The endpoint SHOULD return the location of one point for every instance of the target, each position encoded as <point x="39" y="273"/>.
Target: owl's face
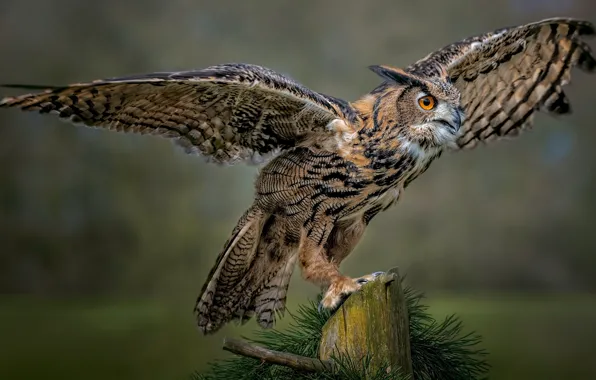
<point x="425" y="110"/>
<point x="430" y="111"/>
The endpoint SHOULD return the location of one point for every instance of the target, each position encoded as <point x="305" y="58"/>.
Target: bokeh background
<point x="106" y="239"/>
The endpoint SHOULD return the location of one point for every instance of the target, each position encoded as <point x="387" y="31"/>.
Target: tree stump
<point x="373" y="322"/>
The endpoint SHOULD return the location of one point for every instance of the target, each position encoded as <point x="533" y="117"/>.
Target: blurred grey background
<point x="106" y="239"/>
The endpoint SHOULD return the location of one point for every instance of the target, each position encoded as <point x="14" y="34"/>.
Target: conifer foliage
<point x="440" y="350"/>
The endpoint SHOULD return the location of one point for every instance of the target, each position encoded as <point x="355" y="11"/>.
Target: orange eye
<point x="427" y="102"/>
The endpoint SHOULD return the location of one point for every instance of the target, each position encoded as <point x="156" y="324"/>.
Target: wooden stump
<point x="373" y="322"/>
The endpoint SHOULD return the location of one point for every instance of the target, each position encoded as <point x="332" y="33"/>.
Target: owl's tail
<point x="251" y="274"/>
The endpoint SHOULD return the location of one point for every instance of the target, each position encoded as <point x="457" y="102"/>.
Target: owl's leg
<point x="316" y="265"/>
<point x="320" y="261"/>
<point x="343" y="239"/>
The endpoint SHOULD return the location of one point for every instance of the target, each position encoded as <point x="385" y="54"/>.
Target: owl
<point x="331" y="165"/>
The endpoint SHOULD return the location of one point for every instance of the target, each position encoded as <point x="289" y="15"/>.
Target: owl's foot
<point x="340" y="290"/>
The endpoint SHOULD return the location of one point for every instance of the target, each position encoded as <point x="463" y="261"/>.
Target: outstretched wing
<point x="229" y="112"/>
<point x="506" y="75"/>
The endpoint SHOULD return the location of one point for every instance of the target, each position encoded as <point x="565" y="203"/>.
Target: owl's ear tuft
<point x="394" y="75"/>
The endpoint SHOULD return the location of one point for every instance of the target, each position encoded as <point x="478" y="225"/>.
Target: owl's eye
<point x="427" y="102"/>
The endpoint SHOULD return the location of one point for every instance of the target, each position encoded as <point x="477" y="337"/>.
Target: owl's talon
<point x="341" y="290"/>
<point x="368" y="278"/>
<point x="320" y="308"/>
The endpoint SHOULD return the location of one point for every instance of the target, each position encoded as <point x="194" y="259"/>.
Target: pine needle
<point x="440" y="350"/>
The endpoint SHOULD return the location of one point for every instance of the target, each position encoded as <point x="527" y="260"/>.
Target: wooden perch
<point x="297" y="362"/>
<point x="372" y="322"/>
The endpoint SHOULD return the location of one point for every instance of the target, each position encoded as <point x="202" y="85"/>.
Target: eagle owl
<point x="333" y="165"/>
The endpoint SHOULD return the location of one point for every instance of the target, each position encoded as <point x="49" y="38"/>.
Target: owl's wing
<point x="229" y="112"/>
<point x="506" y="75"/>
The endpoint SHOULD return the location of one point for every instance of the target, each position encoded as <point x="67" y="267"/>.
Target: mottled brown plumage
<point x="338" y="164"/>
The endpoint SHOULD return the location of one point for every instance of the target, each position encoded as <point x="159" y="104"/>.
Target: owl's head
<point x="424" y="110"/>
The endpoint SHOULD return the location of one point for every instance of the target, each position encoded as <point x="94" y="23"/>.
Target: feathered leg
<point x="342" y="241"/>
<point x="318" y="268"/>
<point x="320" y="264"/>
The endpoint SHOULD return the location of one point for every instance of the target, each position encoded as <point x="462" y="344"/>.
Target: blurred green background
<point x="106" y="239"/>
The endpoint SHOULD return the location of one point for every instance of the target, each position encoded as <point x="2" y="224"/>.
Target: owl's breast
<point x="389" y="181"/>
<point x="304" y="181"/>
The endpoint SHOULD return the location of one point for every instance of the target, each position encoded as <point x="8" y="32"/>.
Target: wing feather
<point x="505" y="76"/>
<point x="229" y="112"/>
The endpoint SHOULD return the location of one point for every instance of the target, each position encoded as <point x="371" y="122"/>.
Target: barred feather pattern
<point x="251" y="275"/>
<point x="227" y="113"/>
<point x="504" y="77"/>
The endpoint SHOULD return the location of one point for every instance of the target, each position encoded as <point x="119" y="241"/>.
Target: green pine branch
<point x="440" y="350"/>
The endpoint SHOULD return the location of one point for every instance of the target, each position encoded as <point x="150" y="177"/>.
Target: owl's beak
<point x="460" y="116"/>
<point x="457" y="118"/>
<point x="449" y="116"/>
